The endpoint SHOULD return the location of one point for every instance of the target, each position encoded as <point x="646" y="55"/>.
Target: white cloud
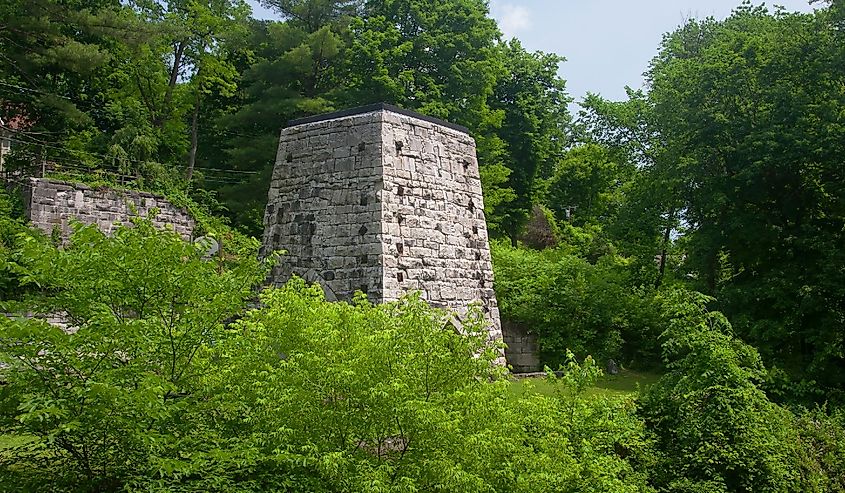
<point x="512" y="18"/>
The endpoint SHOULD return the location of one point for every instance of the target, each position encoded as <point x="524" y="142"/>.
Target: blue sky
<point x="607" y="43"/>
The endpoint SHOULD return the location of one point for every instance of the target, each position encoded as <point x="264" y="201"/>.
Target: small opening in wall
<point x="399" y="248"/>
<point x="471" y="206"/>
<point x="399" y="218"/>
<point x="475" y="230"/>
<point x="399" y="146"/>
<point x="477" y="255"/>
<point x="400" y="191"/>
<point x="362" y="231"/>
<point x="364" y="200"/>
<point x="289" y="158"/>
<point x="466" y="165"/>
<point x="364" y="288"/>
<point x="400" y="277"/>
<point x="481" y="283"/>
<point x="362" y="146"/>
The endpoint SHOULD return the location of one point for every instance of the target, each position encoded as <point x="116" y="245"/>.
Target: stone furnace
<point x="385" y="201"/>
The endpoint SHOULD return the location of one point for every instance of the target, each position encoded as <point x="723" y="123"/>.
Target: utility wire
<point x="112" y="158"/>
<point x="33" y="90"/>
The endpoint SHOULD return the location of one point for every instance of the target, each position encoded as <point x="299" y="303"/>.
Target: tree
<point x="716" y="429"/>
<point x="312" y="15"/>
<point x="532" y="100"/>
<point x="288" y="73"/>
<point x="646" y="200"/>
<point x="586" y="186"/>
<point x="112" y="392"/>
<point x="55" y="58"/>
<point x="748" y="107"/>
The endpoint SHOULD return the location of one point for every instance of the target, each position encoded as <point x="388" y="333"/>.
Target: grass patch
<point x="626" y="382"/>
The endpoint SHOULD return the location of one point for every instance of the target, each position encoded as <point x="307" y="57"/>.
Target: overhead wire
<point x="39" y="143"/>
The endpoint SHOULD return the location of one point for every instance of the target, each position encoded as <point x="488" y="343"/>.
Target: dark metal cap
<point x="376" y="107"/>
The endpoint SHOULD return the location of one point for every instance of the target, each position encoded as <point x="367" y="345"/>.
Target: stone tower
<point x="385" y="201"/>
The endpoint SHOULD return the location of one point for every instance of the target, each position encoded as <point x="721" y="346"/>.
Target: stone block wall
<point x="435" y="234"/>
<point x="53" y="204"/>
<point x="324" y="207"/>
<point x="522" y="352"/>
<point x="384" y="199"/>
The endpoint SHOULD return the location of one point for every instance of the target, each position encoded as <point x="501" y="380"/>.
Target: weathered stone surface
<point x="522" y="349"/>
<point x="384" y="202"/>
<point x="53" y="205"/>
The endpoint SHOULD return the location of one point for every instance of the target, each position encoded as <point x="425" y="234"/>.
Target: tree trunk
<point x="178" y="53"/>
<point x="664" y="250"/>
<point x="192" y="156"/>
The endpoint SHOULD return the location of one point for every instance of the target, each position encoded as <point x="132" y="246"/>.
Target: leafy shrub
<point x="115" y="388"/>
<point x="573" y="304"/>
<point x="359" y="397"/>
<point x="716" y="430"/>
<point x="152" y="392"/>
<point x="822" y="436"/>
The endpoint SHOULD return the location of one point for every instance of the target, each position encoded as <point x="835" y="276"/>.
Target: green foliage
<point x="572" y="303"/>
<point x="390" y="398"/>
<point x="738" y="188"/>
<point x="312" y="15"/>
<point x="716" y="430"/>
<point x="11" y="226"/>
<point x="752" y="108"/>
<point x="586" y="186"/>
<point x="822" y="433"/>
<point x="149" y="390"/>
<point x="114" y="390"/>
<point x="532" y="100"/>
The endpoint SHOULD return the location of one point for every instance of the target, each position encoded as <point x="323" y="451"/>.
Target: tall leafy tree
<point x="55" y="59"/>
<point x="189" y="41"/>
<point x="648" y="202"/>
<point x="311" y="15"/>
<point x="752" y="107"/>
<point x="532" y="99"/>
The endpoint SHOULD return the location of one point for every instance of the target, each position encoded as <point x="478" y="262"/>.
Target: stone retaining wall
<point x="522" y="351"/>
<point x="53" y="204"/>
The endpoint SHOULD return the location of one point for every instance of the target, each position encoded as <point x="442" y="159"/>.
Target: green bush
<point x="338" y="397"/>
<point x="716" y="430"/>
<point x="574" y="304"/>
<point x="97" y="400"/>
<point x="822" y="436"/>
<point x="11" y="226"/>
<point x="152" y="391"/>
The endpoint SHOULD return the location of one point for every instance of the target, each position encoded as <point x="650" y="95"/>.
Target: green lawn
<point x="626" y="382"/>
